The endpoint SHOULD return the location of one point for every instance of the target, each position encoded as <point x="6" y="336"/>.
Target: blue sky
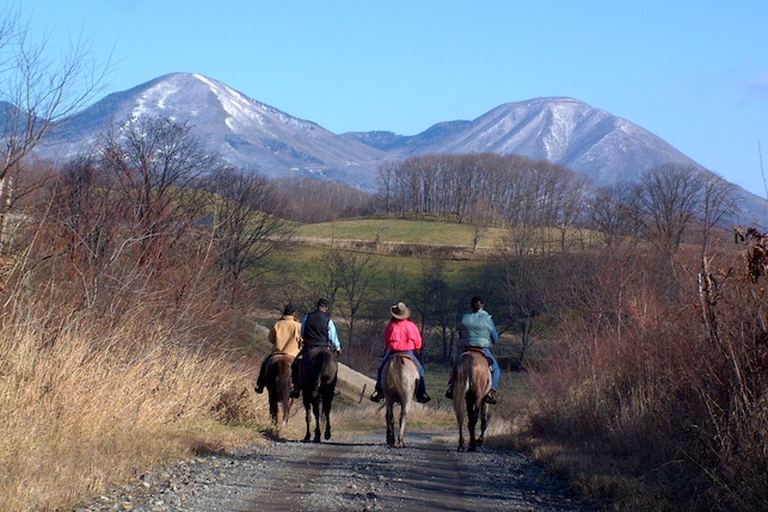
<point x="693" y="72"/>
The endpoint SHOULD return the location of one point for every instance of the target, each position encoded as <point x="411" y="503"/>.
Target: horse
<point x="318" y="383"/>
<point x="278" y="379"/>
<point x="399" y="382"/>
<point x="472" y="382"/>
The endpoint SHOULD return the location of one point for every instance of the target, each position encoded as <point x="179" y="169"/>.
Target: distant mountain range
<point x="251" y="134"/>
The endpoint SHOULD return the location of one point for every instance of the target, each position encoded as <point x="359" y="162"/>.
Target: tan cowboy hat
<point x="400" y="311"/>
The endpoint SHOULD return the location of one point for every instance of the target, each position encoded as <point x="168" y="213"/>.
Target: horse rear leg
<point x="327" y="401"/>
<point x="308" y="417"/>
<point x="472" y="414"/>
<point x="458" y="408"/>
<point x="273" y="410"/>
<point x="390" y="423"/>
<point x="483" y="423"/>
<point x="403" y="416"/>
<point x="316" y="412"/>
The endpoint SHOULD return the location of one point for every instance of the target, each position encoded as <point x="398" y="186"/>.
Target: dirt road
<point x="353" y="473"/>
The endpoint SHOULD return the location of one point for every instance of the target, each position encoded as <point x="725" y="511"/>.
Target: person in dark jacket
<point x="478" y="330"/>
<point x="317" y="330"/>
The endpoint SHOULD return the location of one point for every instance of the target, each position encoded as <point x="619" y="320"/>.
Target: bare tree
<point x="38" y="89"/>
<point x="718" y="203"/>
<point x="248" y="223"/>
<point x="356" y="278"/>
<point x="669" y="199"/>
<point x="386" y="185"/>
<point x="156" y="164"/>
<point x="523" y="295"/>
<point x="614" y="214"/>
<point x="346" y="279"/>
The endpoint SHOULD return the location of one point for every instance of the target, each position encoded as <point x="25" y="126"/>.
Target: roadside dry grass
<point x="84" y="406"/>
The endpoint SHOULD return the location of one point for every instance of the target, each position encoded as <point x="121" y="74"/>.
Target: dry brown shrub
<point x="668" y="416"/>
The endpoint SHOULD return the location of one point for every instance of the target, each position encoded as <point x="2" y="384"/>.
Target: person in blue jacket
<point x="478" y="330"/>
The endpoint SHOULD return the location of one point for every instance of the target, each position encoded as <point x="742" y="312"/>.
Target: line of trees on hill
<point x="515" y="192"/>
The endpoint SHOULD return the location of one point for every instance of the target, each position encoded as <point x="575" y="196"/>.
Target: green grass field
<point x="439" y="233"/>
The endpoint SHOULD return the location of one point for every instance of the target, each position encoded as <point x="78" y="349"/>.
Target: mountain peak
<point x="249" y="133"/>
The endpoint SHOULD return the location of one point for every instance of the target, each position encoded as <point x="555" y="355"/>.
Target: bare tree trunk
<point x="6" y="198"/>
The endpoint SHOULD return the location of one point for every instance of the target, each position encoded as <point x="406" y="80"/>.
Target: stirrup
<point x="490" y="398"/>
<point x="295" y="393"/>
<point x="449" y="393"/>
<point x="376" y="397"/>
<point x="423" y="398"/>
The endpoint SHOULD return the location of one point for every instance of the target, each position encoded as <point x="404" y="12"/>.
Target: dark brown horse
<point x="318" y="383"/>
<point x="279" y="388"/>
<point x="472" y="381"/>
<point x="399" y="380"/>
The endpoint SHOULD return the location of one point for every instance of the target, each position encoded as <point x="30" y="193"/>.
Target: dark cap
<point x="323" y="303"/>
<point x="289" y="309"/>
<point x="476" y="302"/>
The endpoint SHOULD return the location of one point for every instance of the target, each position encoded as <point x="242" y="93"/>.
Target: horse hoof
<point x="327" y="436"/>
<point x="460" y="449"/>
<point x="472" y="449"/>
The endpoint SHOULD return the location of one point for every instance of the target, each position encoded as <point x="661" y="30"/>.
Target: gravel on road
<point x="356" y="472"/>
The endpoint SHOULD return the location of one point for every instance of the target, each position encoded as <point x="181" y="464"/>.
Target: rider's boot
<point x="421" y="392"/>
<point x="449" y="391"/>
<point x="376" y="396"/>
<point x="490" y="398"/>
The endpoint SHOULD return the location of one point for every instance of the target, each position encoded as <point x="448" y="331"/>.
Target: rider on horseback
<point x="402" y="336"/>
<point x="317" y="330"/>
<point x="285" y="337"/>
<point x="478" y="330"/>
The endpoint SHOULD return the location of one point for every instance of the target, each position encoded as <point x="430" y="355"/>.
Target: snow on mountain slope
<point x="563" y="130"/>
<point x="245" y="132"/>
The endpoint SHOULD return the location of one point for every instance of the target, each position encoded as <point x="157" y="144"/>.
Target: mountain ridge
<point x="254" y="135"/>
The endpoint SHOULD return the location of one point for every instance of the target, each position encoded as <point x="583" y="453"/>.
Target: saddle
<point x="276" y="355"/>
<point x="401" y="354"/>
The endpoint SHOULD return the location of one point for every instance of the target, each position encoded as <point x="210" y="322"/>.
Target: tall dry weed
<point x="87" y="405"/>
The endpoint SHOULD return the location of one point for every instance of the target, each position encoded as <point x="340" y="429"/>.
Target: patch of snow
<point x="241" y="110"/>
<point x="154" y="96"/>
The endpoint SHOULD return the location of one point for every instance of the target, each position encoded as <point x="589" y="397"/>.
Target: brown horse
<point x="279" y="388"/>
<point x="399" y="379"/>
<point x="318" y="383"/>
<point x="472" y="381"/>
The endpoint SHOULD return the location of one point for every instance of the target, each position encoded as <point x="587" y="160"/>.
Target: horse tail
<point x="462" y="385"/>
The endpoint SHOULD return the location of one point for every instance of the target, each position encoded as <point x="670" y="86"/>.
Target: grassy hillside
<point x="439" y="233"/>
<point x="401" y="230"/>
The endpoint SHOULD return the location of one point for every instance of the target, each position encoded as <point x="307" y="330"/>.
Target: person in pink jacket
<point x="402" y="336"/>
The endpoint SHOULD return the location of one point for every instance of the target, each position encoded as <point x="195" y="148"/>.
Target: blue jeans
<point x="495" y="369"/>
<point x="386" y="357"/>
